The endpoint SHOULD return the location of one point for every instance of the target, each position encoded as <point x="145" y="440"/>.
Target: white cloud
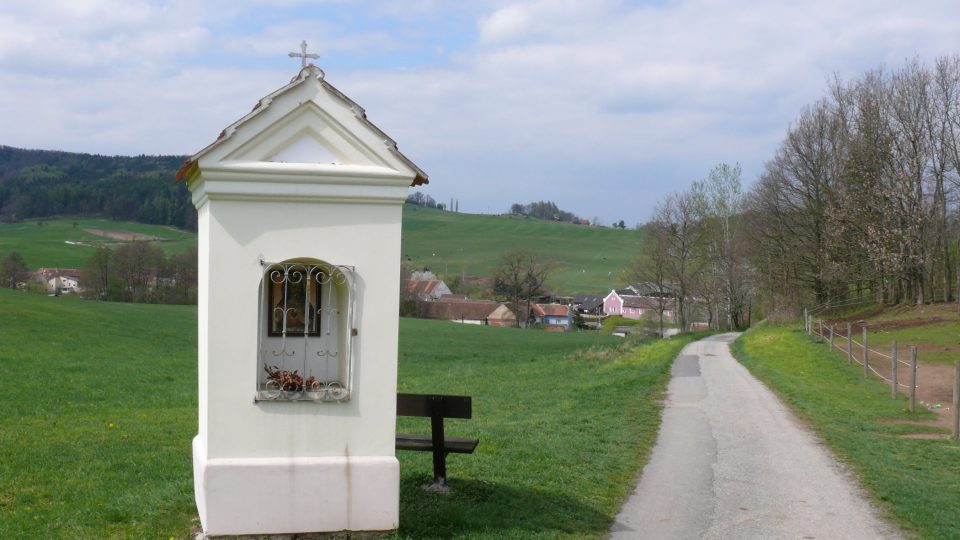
<point x="602" y="106"/>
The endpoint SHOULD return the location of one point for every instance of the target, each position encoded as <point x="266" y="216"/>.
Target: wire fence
<point x="841" y="304"/>
<point x="859" y="352"/>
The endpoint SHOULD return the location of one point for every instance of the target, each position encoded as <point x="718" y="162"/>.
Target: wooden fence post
<point x="830" y="343"/>
<point x="849" y="343"/>
<point x="956" y="400"/>
<point x="821" y="329"/>
<point x="806" y="321"/>
<point x="913" y="378"/>
<point x="893" y="370"/>
<point x="866" y="355"/>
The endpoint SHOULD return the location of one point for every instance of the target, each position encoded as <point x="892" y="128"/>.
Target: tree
<point x="137" y="265"/>
<point x="678" y="221"/>
<point x="13" y="269"/>
<point x="409" y="303"/>
<point x="521" y="275"/>
<point x="724" y="200"/>
<point x="180" y="278"/>
<point x="651" y="267"/>
<point x="546" y="210"/>
<point x="97" y="273"/>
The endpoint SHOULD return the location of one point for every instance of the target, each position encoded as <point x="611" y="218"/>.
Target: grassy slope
<point x="589" y="259"/>
<point x="46" y="245"/>
<point x="917" y="481"/>
<point x="472" y="244"/>
<point x="99" y="409"/>
<point x="933" y="328"/>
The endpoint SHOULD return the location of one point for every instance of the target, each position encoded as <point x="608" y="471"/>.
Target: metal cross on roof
<point x="302" y="55"/>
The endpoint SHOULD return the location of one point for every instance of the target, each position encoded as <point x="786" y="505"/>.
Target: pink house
<point x="634" y="307"/>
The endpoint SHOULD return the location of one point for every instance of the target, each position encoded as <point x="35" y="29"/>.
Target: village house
<point x="59" y="280"/>
<point x="632" y="306"/>
<point x="424" y="285"/>
<point x="588" y="304"/>
<point x="427" y="289"/>
<point x="555" y="317"/>
<point x="481" y="312"/>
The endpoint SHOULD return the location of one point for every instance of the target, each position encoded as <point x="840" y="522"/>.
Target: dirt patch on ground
<point x="123" y="236"/>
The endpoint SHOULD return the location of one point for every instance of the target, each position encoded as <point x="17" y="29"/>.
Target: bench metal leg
<point x="439" y="455"/>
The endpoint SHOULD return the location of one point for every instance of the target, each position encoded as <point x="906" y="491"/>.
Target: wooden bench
<point x="436" y="407"/>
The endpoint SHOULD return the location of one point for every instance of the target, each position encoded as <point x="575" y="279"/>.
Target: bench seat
<point x="424" y="443"/>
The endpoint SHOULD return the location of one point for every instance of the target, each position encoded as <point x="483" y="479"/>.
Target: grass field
<point x="588" y="259"/>
<point x="100" y="407"/>
<point x="916" y="480"/>
<point x="46" y="245"/>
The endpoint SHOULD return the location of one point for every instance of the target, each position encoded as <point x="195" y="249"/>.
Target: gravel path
<point x="732" y="461"/>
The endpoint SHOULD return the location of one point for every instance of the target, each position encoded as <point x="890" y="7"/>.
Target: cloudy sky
<point x="601" y="106"/>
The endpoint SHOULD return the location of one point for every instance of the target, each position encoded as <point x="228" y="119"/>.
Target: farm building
<point x="484" y="312"/>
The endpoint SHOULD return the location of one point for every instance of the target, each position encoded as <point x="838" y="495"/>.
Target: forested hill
<point x="44" y="183"/>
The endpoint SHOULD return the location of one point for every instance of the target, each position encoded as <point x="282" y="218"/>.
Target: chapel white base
<point x="242" y="496"/>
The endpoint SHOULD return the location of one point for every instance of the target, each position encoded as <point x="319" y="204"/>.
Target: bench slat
<point x="424" y="443"/>
<point x="419" y="405"/>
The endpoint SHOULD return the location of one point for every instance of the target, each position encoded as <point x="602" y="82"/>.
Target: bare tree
<point x="728" y="272"/>
<point x="651" y="267"/>
<point x="137" y="266"/>
<point x="521" y="275"/>
<point x="97" y="273"/>
<point x="678" y="220"/>
<point x="862" y="193"/>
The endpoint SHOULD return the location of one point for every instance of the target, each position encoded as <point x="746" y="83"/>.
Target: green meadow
<point x="911" y="470"/>
<point x="587" y="259"/>
<point x="44" y="243"/>
<point x="100" y="406"/>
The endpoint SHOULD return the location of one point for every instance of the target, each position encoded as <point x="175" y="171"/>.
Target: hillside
<point x="43" y="183"/>
<point x="68" y="243"/>
<point x="588" y="259"/>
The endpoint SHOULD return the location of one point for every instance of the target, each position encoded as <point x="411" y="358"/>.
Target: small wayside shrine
<point x="299" y="213"/>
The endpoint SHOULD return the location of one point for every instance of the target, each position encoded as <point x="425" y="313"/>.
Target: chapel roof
<point x="308" y="72"/>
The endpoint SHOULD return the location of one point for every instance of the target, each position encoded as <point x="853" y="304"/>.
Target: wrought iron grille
<point x="305" y="330"/>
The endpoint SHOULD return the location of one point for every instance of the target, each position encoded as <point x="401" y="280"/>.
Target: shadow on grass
<point x="478" y="508"/>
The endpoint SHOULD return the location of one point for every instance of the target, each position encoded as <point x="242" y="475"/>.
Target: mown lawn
<point x="100" y="405"/>
<point x="562" y="436"/>
<point x="916" y="481"/>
